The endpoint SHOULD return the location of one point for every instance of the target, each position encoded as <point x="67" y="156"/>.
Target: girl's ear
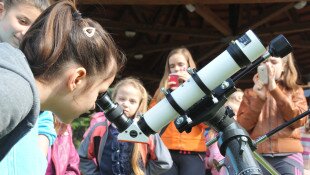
<point x="76" y="78"/>
<point x="2" y="10"/>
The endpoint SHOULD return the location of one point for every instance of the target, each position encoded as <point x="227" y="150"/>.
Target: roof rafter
<point x="179" y="2"/>
<point x="108" y="24"/>
<point x="209" y="16"/>
<point x="165" y="47"/>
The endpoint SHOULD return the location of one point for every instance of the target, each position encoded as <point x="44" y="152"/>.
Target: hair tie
<point x="89" y="31"/>
<point x="77" y="15"/>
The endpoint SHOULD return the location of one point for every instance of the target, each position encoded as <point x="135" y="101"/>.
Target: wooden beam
<point x="284" y="29"/>
<point x="108" y="24"/>
<point x="179" y="2"/>
<point x="267" y="16"/>
<point x="301" y="44"/>
<point x="165" y="47"/>
<point x="167" y="22"/>
<point x="142" y="75"/>
<point x="210" y="17"/>
<point x="210" y="53"/>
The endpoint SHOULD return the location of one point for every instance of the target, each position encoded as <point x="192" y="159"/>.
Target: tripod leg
<point x="265" y="164"/>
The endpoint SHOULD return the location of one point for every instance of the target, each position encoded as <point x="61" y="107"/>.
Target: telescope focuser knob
<point x="191" y="71"/>
<point x="229" y="112"/>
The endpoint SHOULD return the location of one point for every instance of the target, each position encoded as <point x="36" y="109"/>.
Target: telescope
<point x="201" y="99"/>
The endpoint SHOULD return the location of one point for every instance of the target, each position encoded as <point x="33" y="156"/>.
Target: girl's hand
<point x="307" y="126"/>
<point x="171" y="85"/>
<point x="183" y="75"/>
<point x="271" y="77"/>
<point x="259" y="88"/>
<point x="209" y="163"/>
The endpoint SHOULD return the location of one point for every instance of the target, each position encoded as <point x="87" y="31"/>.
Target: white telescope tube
<point x="189" y="93"/>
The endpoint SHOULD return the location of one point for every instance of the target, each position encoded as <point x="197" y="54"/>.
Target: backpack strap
<point x="99" y="146"/>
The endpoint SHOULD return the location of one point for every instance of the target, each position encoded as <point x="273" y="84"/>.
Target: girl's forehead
<point x="129" y="88"/>
<point x="274" y="59"/>
<point x="177" y="57"/>
<point x="25" y="10"/>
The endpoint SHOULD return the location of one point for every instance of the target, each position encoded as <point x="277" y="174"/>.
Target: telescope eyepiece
<point x="113" y="112"/>
<point x="104" y="103"/>
<point x="279" y="47"/>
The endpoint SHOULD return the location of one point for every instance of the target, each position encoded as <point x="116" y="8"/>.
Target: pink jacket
<point x="63" y="157"/>
<point x="213" y="153"/>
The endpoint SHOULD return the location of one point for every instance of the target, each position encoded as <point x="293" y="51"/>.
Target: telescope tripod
<point x="243" y="138"/>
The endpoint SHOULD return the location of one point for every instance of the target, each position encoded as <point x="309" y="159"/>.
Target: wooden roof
<point x="146" y="30"/>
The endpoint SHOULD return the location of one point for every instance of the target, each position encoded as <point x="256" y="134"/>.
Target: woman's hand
<point x="259" y="88"/>
<point x="271" y="77"/>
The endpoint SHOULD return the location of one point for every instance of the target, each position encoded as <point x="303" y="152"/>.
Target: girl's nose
<point x="24" y="30"/>
<point x="177" y="69"/>
<point x="124" y="104"/>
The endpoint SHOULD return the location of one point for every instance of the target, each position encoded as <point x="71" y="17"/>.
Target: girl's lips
<point x="16" y="41"/>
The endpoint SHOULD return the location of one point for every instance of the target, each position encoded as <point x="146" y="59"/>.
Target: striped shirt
<point x="305" y="141"/>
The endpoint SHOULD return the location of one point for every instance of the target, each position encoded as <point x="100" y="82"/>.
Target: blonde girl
<point x="187" y="149"/>
<point x="266" y="106"/>
<point x="124" y="157"/>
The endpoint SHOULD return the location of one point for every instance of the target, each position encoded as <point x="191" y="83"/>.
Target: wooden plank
<point x="179" y="2"/>
<point x="284" y="29"/>
<point x="142" y="75"/>
<point x="108" y="24"/>
<point x="207" y="55"/>
<point x="209" y="16"/>
<point x="267" y="16"/>
<point x="166" y="47"/>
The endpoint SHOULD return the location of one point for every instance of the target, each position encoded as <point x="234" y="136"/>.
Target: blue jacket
<point x="19" y="99"/>
<point x="25" y="157"/>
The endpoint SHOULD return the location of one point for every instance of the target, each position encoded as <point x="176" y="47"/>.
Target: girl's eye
<point x="121" y="99"/>
<point x="24" y="21"/>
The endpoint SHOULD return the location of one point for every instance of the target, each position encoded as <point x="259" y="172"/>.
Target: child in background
<point x="125" y="158"/>
<point x="187" y="149"/>
<point x="233" y="101"/>
<point x="62" y="156"/>
<point x="273" y="100"/>
<point x="305" y="141"/>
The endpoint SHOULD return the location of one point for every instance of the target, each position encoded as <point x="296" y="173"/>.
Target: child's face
<point x="15" y="22"/>
<point x="177" y="63"/>
<point x="71" y="103"/>
<point x="277" y="64"/>
<point x="129" y="98"/>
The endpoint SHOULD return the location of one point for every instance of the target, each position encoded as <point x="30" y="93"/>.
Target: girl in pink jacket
<point x="213" y="152"/>
<point x="62" y="156"/>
